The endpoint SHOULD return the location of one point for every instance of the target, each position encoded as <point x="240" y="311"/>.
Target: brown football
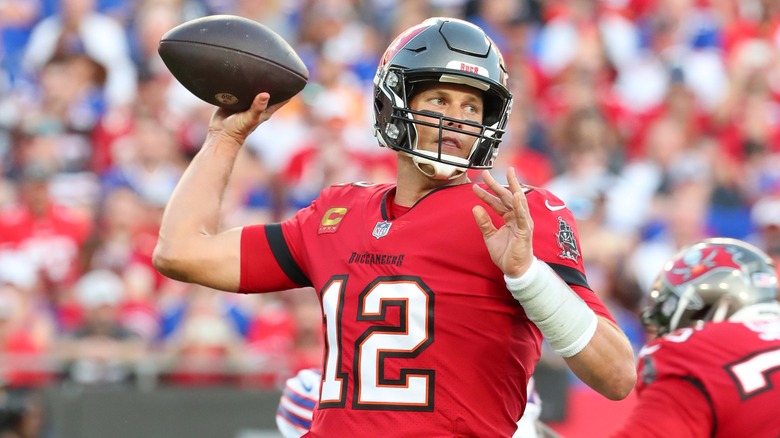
<point x="226" y="60"/>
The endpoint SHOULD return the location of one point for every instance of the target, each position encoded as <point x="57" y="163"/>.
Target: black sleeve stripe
<point x="570" y="275"/>
<point x="273" y="232"/>
<point x="700" y="386"/>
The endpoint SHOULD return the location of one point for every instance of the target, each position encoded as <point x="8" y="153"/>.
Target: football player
<point x="713" y="369"/>
<point x="436" y="292"/>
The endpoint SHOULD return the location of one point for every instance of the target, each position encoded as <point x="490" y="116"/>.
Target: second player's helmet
<point x="710" y="280"/>
<point x="441" y="50"/>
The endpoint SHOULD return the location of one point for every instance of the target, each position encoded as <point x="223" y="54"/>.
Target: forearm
<point x="596" y="350"/>
<point x="193" y="211"/>
<point x="195" y="203"/>
<point x="191" y="247"/>
<point x="606" y="364"/>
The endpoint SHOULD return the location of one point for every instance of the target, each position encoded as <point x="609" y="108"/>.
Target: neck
<point x="412" y="184"/>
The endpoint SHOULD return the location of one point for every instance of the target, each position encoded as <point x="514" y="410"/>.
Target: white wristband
<point x="564" y="319"/>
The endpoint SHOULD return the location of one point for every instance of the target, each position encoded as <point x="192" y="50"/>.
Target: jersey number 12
<point x="413" y="389"/>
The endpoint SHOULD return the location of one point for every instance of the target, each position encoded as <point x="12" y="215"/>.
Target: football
<point x="227" y="60"/>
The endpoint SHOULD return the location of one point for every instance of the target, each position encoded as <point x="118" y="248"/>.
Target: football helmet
<point x="441" y="50"/>
<point x="709" y="280"/>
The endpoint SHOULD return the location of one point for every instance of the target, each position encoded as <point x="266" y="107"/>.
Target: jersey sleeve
<point x="556" y="239"/>
<point x="267" y="261"/>
<point x="557" y="243"/>
<point x="669" y="407"/>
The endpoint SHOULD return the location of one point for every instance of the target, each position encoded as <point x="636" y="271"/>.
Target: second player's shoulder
<point x="687" y="343"/>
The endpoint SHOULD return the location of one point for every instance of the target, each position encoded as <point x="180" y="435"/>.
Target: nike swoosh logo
<point x="307" y="387"/>
<point x="553" y="207"/>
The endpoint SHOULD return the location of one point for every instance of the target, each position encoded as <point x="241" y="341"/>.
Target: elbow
<point x="623" y="382"/>
<point x="166" y="262"/>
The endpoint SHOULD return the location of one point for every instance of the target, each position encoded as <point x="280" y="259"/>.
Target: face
<point x="455" y="101"/>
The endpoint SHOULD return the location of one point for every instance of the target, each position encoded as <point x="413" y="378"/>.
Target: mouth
<point x="450" y="143"/>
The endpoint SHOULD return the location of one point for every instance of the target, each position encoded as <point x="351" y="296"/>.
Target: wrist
<point x="525" y="279"/>
<point x="561" y="315"/>
<point x="225" y="139"/>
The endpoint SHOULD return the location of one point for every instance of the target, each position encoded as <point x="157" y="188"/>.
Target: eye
<point x="438" y="101"/>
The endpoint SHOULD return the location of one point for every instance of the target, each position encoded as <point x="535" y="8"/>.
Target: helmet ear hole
<point x="702" y="314"/>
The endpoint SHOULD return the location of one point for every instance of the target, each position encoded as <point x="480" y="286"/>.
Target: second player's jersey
<point x="736" y="365"/>
<point x="422" y="336"/>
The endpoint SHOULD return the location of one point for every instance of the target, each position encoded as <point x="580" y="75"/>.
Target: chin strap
<point x="436" y="170"/>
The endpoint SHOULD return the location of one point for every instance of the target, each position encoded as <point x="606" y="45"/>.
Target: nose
<point x="454" y="115"/>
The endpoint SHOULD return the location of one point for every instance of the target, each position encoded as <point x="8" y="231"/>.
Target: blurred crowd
<point x="656" y="121"/>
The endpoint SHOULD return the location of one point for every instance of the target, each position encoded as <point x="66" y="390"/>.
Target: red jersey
<point x="422" y="337"/>
<point x="53" y="241"/>
<point x="721" y="380"/>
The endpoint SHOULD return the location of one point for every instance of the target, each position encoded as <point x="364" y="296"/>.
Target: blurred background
<point x="656" y="121"/>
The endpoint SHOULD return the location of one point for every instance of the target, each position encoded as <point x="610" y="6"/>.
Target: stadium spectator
<point x="204" y="347"/>
<point x="147" y="160"/>
<point x="533" y="167"/>
<point x="681" y="218"/>
<point x="138" y="311"/>
<point x="101" y="351"/>
<point x="78" y="29"/>
<point x="17" y="18"/>
<point x="765" y="214"/>
<point x="586" y="146"/>
<point x="28" y="330"/>
<point x="118" y="222"/>
<point x="49" y="235"/>
<point x="711" y="369"/>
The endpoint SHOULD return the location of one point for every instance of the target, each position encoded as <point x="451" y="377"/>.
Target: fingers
<point x="522" y="216"/>
<point x="514" y="184"/>
<point x="259" y="104"/>
<point x="260" y="109"/>
<point x="483" y="221"/>
<point x="506" y="200"/>
<point x="503" y="194"/>
<point x="489" y="199"/>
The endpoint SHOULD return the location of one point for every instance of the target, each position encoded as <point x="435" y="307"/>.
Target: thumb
<point x="259" y="105"/>
<point x="246" y="122"/>
<point x="483" y="221"/>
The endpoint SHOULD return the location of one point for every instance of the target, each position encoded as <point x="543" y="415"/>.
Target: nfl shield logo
<point x="381" y="229"/>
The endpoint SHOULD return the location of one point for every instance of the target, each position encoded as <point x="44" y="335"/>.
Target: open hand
<point x="511" y="245"/>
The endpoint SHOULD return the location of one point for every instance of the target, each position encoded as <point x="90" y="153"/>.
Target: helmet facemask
<point x="396" y="123"/>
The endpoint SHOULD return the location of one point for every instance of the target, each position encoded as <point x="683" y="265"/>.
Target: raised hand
<point x="511" y="245"/>
<point x="239" y="125"/>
